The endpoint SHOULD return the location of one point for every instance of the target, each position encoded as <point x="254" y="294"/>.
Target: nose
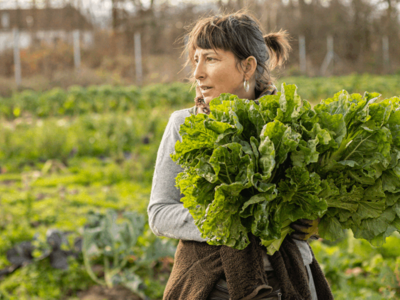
<point x="199" y="72"/>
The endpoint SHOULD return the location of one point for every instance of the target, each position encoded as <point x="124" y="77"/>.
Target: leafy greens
<point x="256" y="166"/>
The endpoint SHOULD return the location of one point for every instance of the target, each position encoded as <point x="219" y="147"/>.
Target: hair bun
<point x="278" y="44"/>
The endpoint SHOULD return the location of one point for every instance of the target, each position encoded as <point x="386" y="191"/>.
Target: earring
<point x="246" y="85"/>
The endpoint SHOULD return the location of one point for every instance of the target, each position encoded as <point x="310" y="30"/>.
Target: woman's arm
<point x="167" y="216"/>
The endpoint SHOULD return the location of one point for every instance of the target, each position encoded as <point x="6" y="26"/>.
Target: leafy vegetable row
<point x="82" y="100"/>
<point x="95" y="99"/>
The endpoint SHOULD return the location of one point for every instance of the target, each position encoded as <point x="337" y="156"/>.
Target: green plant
<point x="115" y="243"/>
<point x="94" y="99"/>
<point x="40" y="281"/>
<point x="257" y="167"/>
<point x="357" y="270"/>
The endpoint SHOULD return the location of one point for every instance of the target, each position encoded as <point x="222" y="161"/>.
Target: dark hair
<point x="241" y="34"/>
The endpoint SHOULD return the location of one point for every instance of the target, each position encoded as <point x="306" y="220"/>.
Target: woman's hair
<point x="241" y="34"/>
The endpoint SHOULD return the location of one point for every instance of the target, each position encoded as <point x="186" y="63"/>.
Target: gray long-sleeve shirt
<point x="167" y="216"/>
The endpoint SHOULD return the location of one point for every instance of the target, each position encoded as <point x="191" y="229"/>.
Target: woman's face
<point x="216" y="73"/>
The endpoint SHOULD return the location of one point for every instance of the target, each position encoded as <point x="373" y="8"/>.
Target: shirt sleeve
<point x="167" y="216"/>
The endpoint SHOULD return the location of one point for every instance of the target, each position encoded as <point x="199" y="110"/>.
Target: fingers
<point x="298" y="227"/>
<point x="305" y="222"/>
<point x="314" y="237"/>
<point x="299" y="236"/>
<point x="305" y="229"/>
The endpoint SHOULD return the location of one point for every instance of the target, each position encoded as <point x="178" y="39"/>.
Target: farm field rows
<point x="74" y="160"/>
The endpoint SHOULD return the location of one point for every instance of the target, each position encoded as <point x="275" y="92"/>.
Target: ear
<point x="249" y="66"/>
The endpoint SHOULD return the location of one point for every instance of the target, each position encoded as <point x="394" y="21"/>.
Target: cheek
<point x="227" y="80"/>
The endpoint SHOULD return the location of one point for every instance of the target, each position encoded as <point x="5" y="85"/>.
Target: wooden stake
<point x="17" y="58"/>
<point x="138" y="59"/>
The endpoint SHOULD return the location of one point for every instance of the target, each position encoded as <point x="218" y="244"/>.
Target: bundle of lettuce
<point x="256" y="166"/>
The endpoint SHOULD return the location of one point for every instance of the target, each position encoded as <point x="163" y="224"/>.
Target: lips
<point x="205" y="88"/>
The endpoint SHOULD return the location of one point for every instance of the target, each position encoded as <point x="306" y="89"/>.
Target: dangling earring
<point x="246" y="85"/>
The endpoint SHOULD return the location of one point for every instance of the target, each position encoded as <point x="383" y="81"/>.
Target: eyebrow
<point x="206" y="53"/>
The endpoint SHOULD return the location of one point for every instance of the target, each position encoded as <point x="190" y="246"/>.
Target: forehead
<point x="201" y="52"/>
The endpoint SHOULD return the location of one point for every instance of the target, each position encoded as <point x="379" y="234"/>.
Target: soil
<point x="103" y="293"/>
<point x="7" y="182"/>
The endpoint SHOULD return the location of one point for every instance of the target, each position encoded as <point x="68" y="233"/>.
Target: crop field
<point x="75" y="176"/>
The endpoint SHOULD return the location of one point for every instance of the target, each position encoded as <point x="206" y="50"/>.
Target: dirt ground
<point x="103" y="293"/>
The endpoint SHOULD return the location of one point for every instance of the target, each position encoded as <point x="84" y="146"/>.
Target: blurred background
<point x="140" y="41"/>
<point x="86" y="90"/>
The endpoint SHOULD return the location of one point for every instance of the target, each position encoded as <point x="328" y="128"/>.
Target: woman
<point x="229" y="54"/>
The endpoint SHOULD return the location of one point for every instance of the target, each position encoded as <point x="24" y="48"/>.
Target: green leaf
<point x="330" y="228"/>
<point x="221" y="224"/>
<point x="266" y="222"/>
<point x="334" y="124"/>
<point x="248" y="206"/>
<point x="196" y="138"/>
<point x="230" y="163"/>
<point x="367" y="149"/>
<point x="267" y="157"/>
<point x="318" y="136"/>
<point x="283" y="137"/>
<point x="205" y="169"/>
<point x="257" y="118"/>
<point x="394" y="126"/>
<point x="305" y="153"/>
<point x="300" y="194"/>
<point x="290" y="104"/>
<point x="198" y="193"/>
<point x="274" y="245"/>
<point x="391" y="181"/>
<point x="372" y="227"/>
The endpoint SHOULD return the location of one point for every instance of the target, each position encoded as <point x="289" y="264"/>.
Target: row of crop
<point x="95" y="99"/>
<point x="117" y="135"/>
<point x="99" y="99"/>
<point x="317" y="88"/>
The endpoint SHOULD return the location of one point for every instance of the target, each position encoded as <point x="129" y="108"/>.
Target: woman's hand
<point x="305" y="229"/>
<point x="201" y="106"/>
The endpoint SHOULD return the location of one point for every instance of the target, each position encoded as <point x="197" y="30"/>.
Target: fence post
<point x="77" y="50"/>
<point x="330" y="55"/>
<point x="302" y="54"/>
<point x="17" y="58"/>
<point x="385" y="50"/>
<point x="138" y="58"/>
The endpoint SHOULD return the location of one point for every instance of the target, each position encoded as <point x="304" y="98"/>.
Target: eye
<point x="210" y="58"/>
